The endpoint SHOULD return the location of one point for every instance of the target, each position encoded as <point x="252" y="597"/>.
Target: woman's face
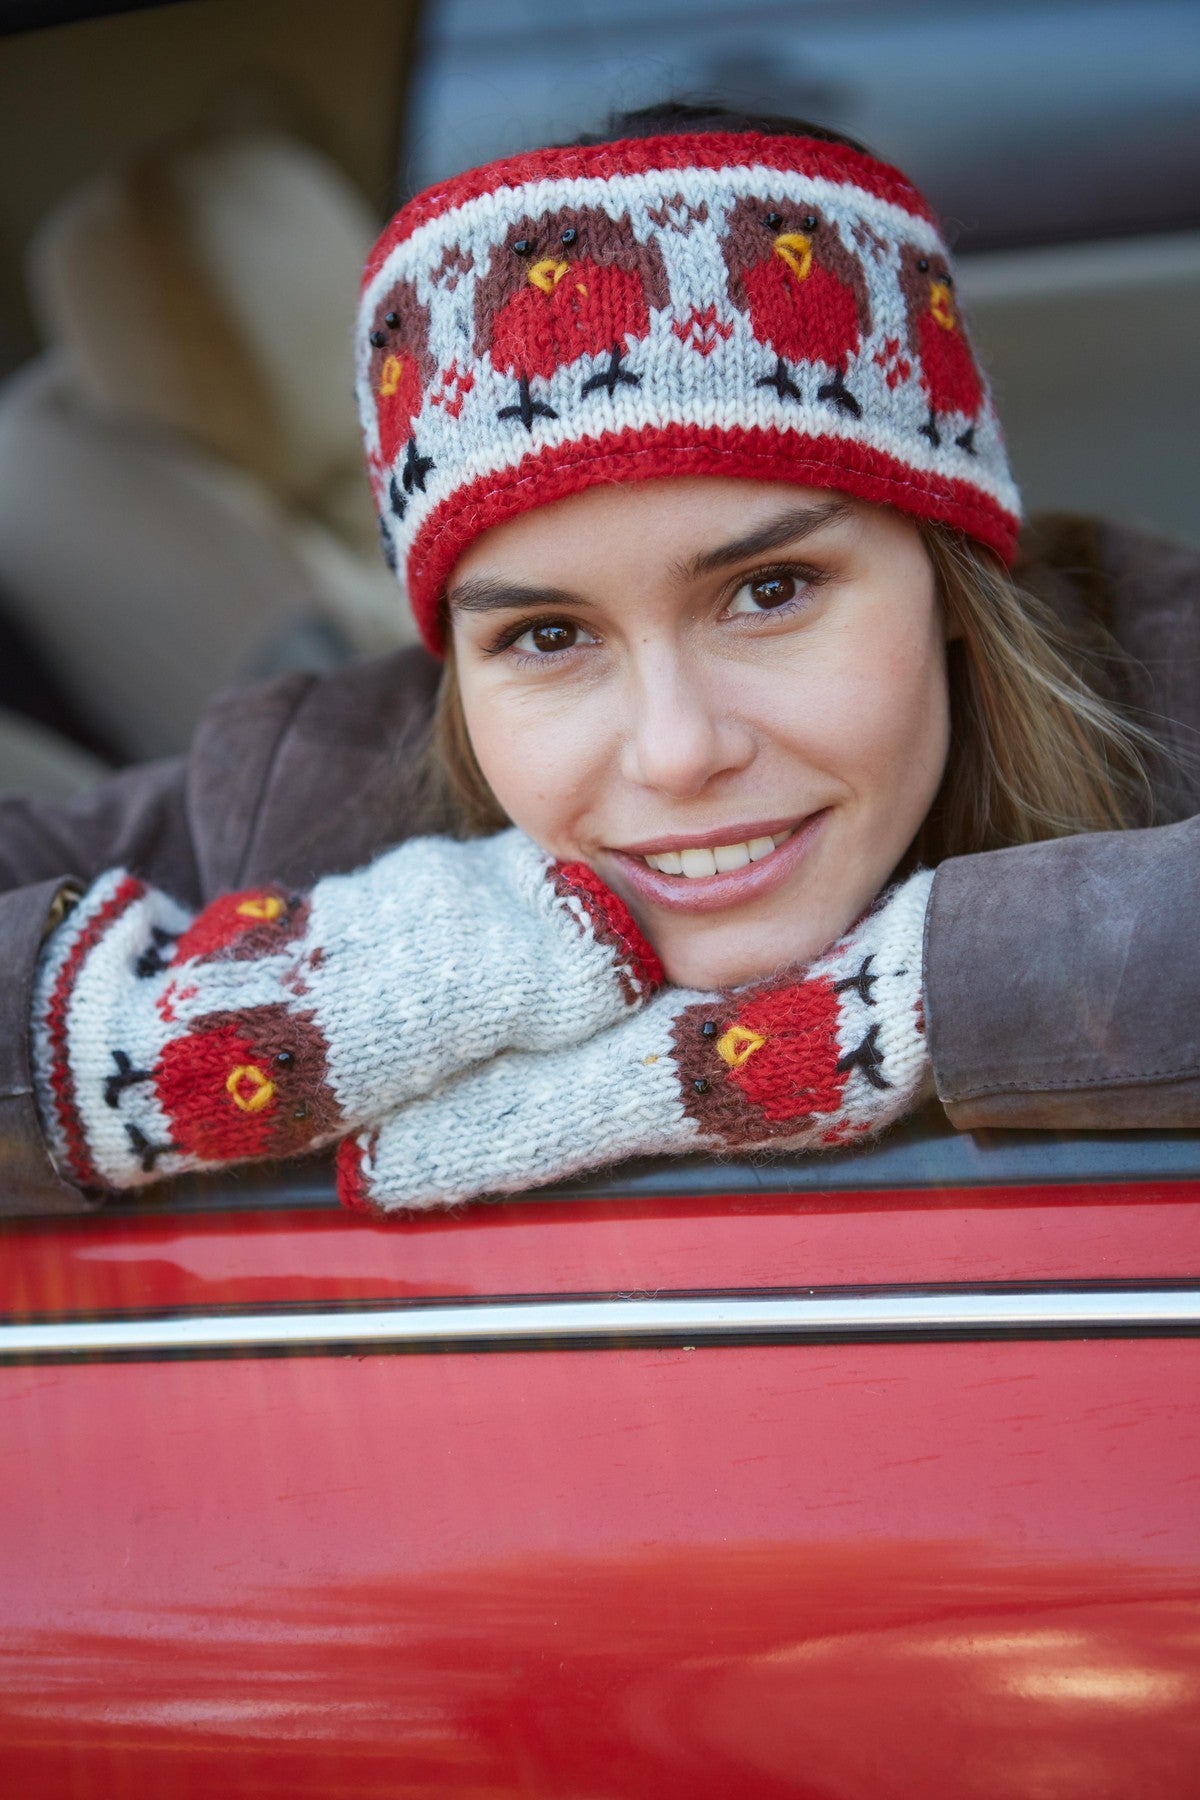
<point x="728" y="697"/>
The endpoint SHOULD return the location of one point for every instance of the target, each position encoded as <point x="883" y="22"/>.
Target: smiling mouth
<point x="698" y="863"/>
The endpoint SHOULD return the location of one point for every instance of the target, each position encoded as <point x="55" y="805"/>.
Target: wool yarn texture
<point x="271" y="1023"/>
<point x="732" y="304"/>
<point x="821" y="1057"/>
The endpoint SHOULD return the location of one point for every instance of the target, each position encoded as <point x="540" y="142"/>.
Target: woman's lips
<point x="729" y="887"/>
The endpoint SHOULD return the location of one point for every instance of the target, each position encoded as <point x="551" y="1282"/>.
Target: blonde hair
<point x="1037" y="751"/>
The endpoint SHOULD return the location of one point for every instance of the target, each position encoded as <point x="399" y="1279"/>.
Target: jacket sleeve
<point x="1062" y="983"/>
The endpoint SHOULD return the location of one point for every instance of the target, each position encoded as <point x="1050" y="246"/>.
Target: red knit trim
<point x="641" y="156"/>
<point x="647" y="453"/>
<point x="62" y="1078"/>
<point x="351" y="1179"/>
<point x="613" y="924"/>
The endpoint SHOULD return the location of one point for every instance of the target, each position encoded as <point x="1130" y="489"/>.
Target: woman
<point x="695" y="481"/>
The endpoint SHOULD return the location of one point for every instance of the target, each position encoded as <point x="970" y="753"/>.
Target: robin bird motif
<point x="234" y="927"/>
<point x="239" y="927"/>
<point x="948" y="373"/>
<point x="573" y="283"/>
<point x="248" y="1084"/>
<point x="401" y="367"/>
<point x="765" y="1069"/>
<point x="803" y="291"/>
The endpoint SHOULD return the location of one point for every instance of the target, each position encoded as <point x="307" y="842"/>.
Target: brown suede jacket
<point x="1062" y="980"/>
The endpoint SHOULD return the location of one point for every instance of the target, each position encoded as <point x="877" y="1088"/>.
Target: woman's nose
<point x="680" y="733"/>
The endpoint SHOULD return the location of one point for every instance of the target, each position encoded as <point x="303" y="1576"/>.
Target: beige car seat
<point x="181" y="482"/>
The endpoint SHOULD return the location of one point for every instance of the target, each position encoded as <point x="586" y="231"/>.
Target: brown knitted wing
<point x="744" y="245"/>
<point x="400" y="327"/>
<point x="832" y="254"/>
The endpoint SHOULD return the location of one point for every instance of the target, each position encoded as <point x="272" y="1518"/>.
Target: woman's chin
<point x="707" y="977"/>
<point x="708" y="966"/>
<point x="706" y="951"/>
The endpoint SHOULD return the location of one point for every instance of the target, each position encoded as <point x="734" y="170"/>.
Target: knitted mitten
<point x="819" y="1057"/>
<point x="272" y="1022"/>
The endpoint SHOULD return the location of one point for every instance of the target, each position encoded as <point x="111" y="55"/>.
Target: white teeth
<point x="696" y="864"/>
<point x="731" y="856"/>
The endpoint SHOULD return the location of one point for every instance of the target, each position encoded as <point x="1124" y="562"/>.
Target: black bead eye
<point x="809" y="222"/>
<point x="708" y="1029"/>
<point x="923" y="264"/>
<point x="300" y="1112"/>
<point x="773" y="221"/>
<point x="948" y="279"/>
<point x="285" y="1058"/>
<point x="391" y="320"/>
<point x="523" y="246"/>
<point x="379" y="339"/>
<point x="569" y="235"/>
<point x="701" y="1085"/>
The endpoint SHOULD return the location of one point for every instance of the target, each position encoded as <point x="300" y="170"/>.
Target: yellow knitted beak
<point x="796" y="251"/>
<point x="547" y="274"/>
<point x="389" y="375"/>
<point x="249" y="1088"/>
<point x="941" y="305"/>
<point x="738" y="1045"/>
<point x="268" y="906"/>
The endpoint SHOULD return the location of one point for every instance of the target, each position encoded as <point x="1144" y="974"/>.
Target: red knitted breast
<point x="396" y="410"/>
<point x="193" y="1083"/>
<point x="589" y="311"/>
<point x="948" y="372"/>
<point x="794" y="1073"/>
<point x="809" y="320"/>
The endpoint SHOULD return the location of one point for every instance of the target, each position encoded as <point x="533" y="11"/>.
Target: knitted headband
<point x="774" y="308"/>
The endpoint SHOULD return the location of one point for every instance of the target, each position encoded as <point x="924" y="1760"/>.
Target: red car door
<point x="872" y="1476"/>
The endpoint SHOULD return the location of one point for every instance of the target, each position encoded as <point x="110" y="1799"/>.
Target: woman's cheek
<point x="894" y="728"/>
<point x="538" y="768"/>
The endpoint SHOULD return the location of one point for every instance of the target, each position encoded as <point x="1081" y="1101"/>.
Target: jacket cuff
<point x="1062" y="987"/>
<point x="29" y="1182"/>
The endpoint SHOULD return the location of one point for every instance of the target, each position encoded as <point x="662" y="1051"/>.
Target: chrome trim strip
<point x="1102" y="1311"/>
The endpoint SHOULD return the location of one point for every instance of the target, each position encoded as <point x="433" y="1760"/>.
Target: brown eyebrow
<point x="484" y="595"/>
<point x="788" y="528"/>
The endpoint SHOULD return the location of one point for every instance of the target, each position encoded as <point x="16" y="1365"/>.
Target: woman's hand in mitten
<point x="818" y="1057"/>
<point x="272" y="1022"/>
